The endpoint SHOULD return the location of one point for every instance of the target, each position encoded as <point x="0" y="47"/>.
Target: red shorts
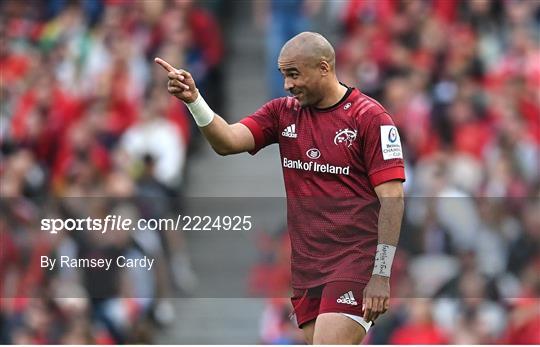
<point x="338" y="297"/>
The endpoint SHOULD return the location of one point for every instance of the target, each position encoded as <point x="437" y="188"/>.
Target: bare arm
<point x="224" y="138"/>
<point x="377" y="292"/>
<point x="391" y="198"/>
<point x="227" y="138"/>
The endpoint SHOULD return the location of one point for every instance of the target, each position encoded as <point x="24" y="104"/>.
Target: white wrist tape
<point x="383" y="260"/>
<point x="202" y="113"/>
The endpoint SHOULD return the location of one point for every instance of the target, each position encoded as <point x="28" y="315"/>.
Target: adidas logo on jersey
<point x="290" y="131"/>
<point x="347" y="298"/>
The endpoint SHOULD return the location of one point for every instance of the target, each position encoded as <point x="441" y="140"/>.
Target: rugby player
<point x="343" y="170"/>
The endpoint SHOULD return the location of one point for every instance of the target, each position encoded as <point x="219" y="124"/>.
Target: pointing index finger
<point x="165" y="65"/>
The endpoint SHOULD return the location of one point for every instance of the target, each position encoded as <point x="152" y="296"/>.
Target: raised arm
<point x="224" y="138"/>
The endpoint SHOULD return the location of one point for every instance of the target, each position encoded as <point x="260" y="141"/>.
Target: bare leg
<point x="337" y="329"/>
<point x="308" y="330"/>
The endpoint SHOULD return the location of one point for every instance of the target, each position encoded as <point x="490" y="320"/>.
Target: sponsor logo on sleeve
<point x="390" y="142"/>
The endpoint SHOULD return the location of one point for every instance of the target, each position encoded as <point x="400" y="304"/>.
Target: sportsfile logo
<point x="290" y="131"/>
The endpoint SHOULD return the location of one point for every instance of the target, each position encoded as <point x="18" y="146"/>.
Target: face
<point x="301" y="79"/>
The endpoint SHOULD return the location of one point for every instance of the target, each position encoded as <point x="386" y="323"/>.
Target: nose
<point x="287" y="84"/>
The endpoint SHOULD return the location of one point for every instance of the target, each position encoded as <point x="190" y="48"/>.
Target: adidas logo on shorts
<point x="347" y="298"/>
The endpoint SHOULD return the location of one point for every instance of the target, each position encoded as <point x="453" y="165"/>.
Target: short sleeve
<point x="263" y="125"/>
<point x="383" y="154"/>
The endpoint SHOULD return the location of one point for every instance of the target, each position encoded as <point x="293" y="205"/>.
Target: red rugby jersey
<point x="332" y="159"/>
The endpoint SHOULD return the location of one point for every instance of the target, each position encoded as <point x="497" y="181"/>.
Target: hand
<point x="376" y="300"/>
<point x="180" y="84"/>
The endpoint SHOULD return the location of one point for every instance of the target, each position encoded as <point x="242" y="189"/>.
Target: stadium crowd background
<point x="84" y="113"/>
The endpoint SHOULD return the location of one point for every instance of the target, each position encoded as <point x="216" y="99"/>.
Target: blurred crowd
<point x="84" y="113"/>
<point x="461" y="80"/>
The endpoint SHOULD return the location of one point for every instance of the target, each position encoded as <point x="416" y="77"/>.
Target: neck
<point x="333" y="96"/>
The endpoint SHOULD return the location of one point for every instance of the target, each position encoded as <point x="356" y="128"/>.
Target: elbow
<point x="222" y="151"/>
<point x="391" y="192"/>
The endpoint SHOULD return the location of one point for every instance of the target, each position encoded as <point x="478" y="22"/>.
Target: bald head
<point x="307" y="63"/>
<point x="310" y="47"/>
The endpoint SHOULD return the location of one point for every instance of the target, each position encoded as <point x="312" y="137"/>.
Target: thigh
<point x="340" y="314"/>
<point x="308" y="329"/>
<point x="306" y="305"/>
<point x="337" y="329"/>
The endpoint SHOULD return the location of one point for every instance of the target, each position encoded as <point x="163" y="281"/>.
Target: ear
<point x="324" y="67"/>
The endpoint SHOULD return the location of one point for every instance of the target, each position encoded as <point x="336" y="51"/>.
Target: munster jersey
<point x="331" y="159"/>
